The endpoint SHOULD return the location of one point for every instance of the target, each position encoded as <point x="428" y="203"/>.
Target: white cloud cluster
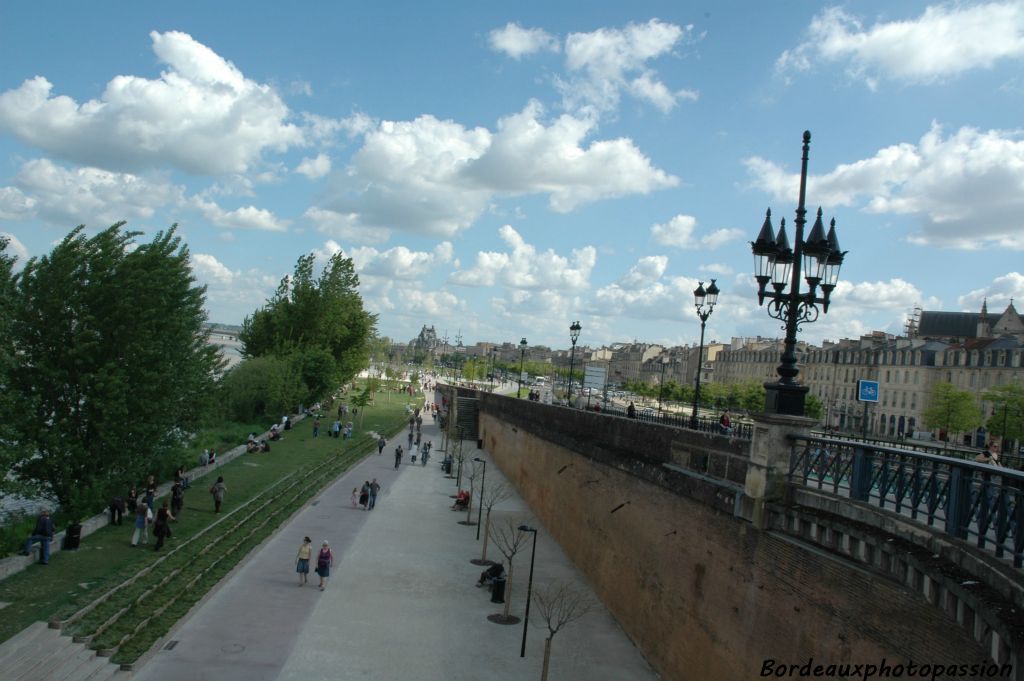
<point x="201" y="116"/>
<point x="437" y="177"/>
<point x="895" y="294"/>
<point x="68" y="197"/>
<point x="246" y="217"/>
<point x="679" y="233"/>
<point x="998" y="293"/>
<point x="400" y="263"/>
<point x="315" y="168"/>
<point x="524" y="268"/>
<point x="516" y="41"/>
<point x="15" y="249"/>
<point x="965" y="189"/>
<point x="608" y="61"/>
<point x="945" y="41"/>
<point x="227" y="290"/>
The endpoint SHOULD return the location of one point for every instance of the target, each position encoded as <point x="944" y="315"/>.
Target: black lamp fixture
<point x="480" y="508"/>
<point x="702" y="297"/>
<point x="522" y="356"/>
<point x="574" y="335"/>
<point x="529" y="585"/>
<point x="775" y="262"/>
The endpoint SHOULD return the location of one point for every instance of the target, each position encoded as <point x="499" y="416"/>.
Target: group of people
<point x="324" y="562"/>
<point x="366" y="496"/>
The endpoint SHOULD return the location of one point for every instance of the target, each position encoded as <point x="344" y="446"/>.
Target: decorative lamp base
<point x="785" y="399"/>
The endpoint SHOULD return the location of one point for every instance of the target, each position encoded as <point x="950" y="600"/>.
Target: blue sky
<point x="503" y="171"/>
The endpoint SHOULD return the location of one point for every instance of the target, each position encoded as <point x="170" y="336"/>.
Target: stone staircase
<point x="43" y="654"/>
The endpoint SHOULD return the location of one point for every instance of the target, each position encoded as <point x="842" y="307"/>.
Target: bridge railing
<point x="706" y="424"/>
<point x="976" y="502"/>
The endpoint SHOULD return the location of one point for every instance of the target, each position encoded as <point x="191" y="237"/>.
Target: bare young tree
<point x="509" y="539"/>
<point x="472" y="473"/>
<point x="495" y="494"/>
<point x="560" y="604"/>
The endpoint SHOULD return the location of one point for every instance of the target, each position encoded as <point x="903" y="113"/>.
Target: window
<point x="913" y="400"/>
<point x="887" y="376"/>
<point x="903" y="400"/>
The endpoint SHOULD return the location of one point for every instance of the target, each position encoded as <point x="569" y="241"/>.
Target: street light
<point x="776" y="262"/>
<point x="480" y="509"/>
<point x="574" y="335"/>
<point x="700" y="297"/>
<point x="661" y="389"/>
<point x="522" y="356"/>
<point x="494" y="352"/>
<point x="529" y="585"/>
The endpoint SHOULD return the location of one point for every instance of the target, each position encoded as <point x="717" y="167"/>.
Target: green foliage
<point x="1007" y="420"/>
<point x="262" y="387"/>
<point x="113" y="361"/>
<point x="10" y="451"/>
<point x="813" y="407"/>
<point x="315" y="316"/>
<point x="952" y="410"/>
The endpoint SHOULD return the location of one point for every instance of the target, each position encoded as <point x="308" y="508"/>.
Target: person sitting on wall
<point x="251" y="447"/>
<point x="490" y="574"/>
<point x="264" y="446"/>
<point x="461" y="500"/>
<point x="725" y="423"/>
<point x="274" y="434"/>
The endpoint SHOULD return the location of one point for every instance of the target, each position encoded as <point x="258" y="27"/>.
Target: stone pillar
<point x="769" y="461"/>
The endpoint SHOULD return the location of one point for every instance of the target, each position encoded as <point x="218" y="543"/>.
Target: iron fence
<point x="976" y="502"/>
<point x="705" y="424"/>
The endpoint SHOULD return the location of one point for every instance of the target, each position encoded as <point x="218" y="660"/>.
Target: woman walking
<point x="218" y="490"/>
<point x="324" y="562"/>
<point x="162" y="526"/>
<point x="142" y="518"/>
<point x="364" y="494"/>
<point x="302" y="564"/>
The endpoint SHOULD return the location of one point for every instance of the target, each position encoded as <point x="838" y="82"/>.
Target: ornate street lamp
<point x="529" y="585"/>
<point x="494" y="352"/>
<point x="522" y="355"/>
<point x="777" y="263"/>
<point x="574" y="335"/>
<point x="700" y="297"/>
<point x="480" y="508"/>
<point x="661" y="388"/>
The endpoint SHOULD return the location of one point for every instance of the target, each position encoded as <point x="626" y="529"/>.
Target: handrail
<point x="967" y="500"/>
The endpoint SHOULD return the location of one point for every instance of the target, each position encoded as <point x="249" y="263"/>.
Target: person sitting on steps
<point x="461" y="500"/>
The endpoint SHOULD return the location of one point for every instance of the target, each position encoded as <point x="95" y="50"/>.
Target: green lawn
<point x="73" y="579"/>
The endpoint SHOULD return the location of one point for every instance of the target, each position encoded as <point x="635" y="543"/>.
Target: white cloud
<point x="399" y="262"/>
<point x="14" y="204"/>
<point x="208" y="269"/>
<point x="605" y="62"/>
<point x="895" y="294"/>
<point x="231" y="292"/>
<point x="946" y="40"/>
<point x="301" y="87"/>
<point x="524" y="268"/>
<point x="998" y="293"/>
<point x="201" y="115"/>
<point x="717" y="268"/>
<point x="86" y="195"/>
<point x="437" y="177"/>
<point x="246" y="217"/>
<point x="16" y="249"/>
<point x="964" y="189"/>
<point x="314" y="168"/>
<point x="680" y="233"/>
<point x="644" y="273"/>
<point x="346" y="226"/>
<point x="516" y="41"/>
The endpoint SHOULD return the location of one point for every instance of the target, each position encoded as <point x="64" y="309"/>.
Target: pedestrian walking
<point x="316" y="427"/>
<point x="398" y="456"/>
<point x="374" y="491"/>
<point x="162" y="525"/>
<point x="355" y="497"/>
<point x="302" y="560"/>
<point x="336" y="429"/>
<point x="132" y="499"/>
<point x="411" y="436"/>
<point x="324" y="562"/>
<point x="143" y="516"/>
<point x="380" y="445"/>
<point x="364" y="495"/>
<point x="177" y="499"/>
<point x="218" y="490"/>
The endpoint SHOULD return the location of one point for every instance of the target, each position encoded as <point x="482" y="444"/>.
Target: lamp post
<point x="574" y="335"/>
<point x="529" y="585"/>
<point x="522" y="356"/>
<point x="700" y="297"/>
<point x="661" y="388"/>
<point x="480" y="508"/>
<point x="776" y="262"/>
<point x="494" y="352"/>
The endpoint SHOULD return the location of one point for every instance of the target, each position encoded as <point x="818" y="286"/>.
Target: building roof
<point x="948" y="324"/>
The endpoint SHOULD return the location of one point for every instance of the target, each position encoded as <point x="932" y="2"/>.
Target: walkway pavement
<point x="401" y="603"/>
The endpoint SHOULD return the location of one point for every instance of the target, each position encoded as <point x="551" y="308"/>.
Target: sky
<point x="500" y="171"/>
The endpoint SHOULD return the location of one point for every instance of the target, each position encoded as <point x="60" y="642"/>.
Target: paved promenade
<point x="401" y="603"/>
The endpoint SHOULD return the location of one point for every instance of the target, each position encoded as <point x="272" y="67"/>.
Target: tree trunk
<point x="547" y="659"/>
<point x="487" y="534"/>
<point x="469" y="506"/>
<point x="508" y="591"/>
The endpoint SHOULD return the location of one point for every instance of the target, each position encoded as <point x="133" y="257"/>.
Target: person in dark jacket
<point x="42" y="534"/>
<point x="162" y="526"/>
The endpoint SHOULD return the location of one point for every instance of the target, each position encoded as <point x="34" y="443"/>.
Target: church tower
<point x="984" y="326"/>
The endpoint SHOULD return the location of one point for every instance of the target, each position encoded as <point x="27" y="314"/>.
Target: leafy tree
<point x="10" y="449"/>
<point x="951" y="410"/>
<point x="261" y="387"/>
<point x="113" y="362"/>
<point x="307" y="313"/>
<point x="813" y="408"/>
<point x="1007" y="420"/>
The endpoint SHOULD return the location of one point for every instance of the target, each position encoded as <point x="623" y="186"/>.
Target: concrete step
<point x="111" y="672"/>
<point x="90" y="670"/>
<point x="25" y="653"/>
<point x="63" y="649"/>
<point x="69" y="667"/>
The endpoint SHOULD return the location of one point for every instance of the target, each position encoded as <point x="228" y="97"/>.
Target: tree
<point x="951" y="410"/>
<point x="11" y="449"/>
<point x="493" y="495"/>
<point x="510" y="540"/>
<point x="308" y="314"/>
<point x="1007" y="420"/>
<point x="472" y="473"/>
<point x="813" y="408"/>
<point x="560" y="604"/>
<point x="113" y="364"/>
<point x="261" y="387"/>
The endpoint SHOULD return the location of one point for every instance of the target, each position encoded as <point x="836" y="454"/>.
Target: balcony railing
<point x="976" y="502"/>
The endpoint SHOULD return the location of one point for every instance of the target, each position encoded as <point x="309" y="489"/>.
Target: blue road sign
<point x="867" y="391"/>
